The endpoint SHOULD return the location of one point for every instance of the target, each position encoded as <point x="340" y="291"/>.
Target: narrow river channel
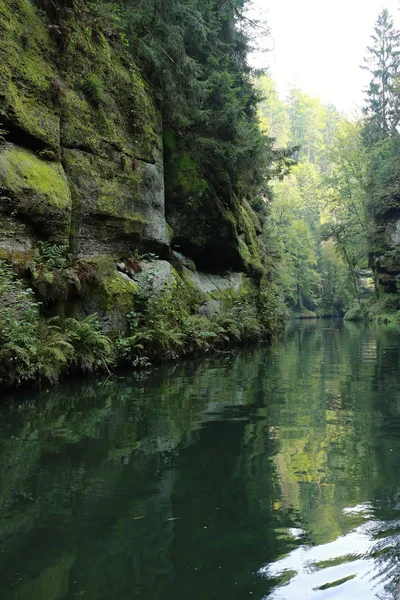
<point x="269" y="473"/>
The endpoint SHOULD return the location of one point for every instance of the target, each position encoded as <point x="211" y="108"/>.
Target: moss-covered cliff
<point x="92" y="189"/>
<point x="83" y="142"/>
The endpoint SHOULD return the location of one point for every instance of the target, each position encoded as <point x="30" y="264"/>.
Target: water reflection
<point x="356" y="562"/>
<point x="270" y="473"/>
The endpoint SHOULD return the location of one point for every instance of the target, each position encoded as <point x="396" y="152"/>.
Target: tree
<point x="273" y="114"/>
<point x="194" y="54"/>
<point x="316" y="198"/>
<point x="383" y="63"/>
<point x="334" y="279"/>
<point x="307" y="122"/>
<point x="346" y="216"/>
<point x="294" y="244"/>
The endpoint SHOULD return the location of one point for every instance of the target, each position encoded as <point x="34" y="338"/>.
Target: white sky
<point x="319" y="45"/>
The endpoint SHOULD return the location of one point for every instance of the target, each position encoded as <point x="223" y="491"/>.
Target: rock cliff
<point x="86" y="167"/>
<point x="386" y="255"/>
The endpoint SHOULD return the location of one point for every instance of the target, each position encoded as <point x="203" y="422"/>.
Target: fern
<point x="92" y="349"/>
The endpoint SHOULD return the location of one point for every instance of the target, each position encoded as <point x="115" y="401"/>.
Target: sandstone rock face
<point x="217" y="233"/>
<point x="81" y="164"/>
<point x="386" y="257"/>
<point x="35" y="193"/>
<point x="85" y="164"/>
<point x="209" y="283"/>
<point x="394" y="232"/>
<point x="216" y="289"/>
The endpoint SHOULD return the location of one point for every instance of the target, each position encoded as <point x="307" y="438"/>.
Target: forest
<point x="141" y="155"/>
<point x="199" y="300"/>
<point x="328" y="218"/>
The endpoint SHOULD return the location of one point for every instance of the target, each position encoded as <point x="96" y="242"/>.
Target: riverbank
<point x="157" y="313"/>
<point x="385" y="309"/>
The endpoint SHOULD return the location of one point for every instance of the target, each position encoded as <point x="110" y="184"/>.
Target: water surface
<point x="270" y="473"/>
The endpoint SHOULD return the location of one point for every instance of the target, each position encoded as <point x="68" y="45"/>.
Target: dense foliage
<point x="33" y="348"/>
<point x="306" y="231"/>
<point x="329" y="218"/>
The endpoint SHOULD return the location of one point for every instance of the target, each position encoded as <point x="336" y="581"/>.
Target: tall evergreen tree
<point x="383" y="63"/>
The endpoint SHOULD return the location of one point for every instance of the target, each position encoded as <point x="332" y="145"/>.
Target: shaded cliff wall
<point x="385" y="257"/>
<point x="82" y="161"/>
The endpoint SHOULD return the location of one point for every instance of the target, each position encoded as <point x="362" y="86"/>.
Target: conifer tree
<point x="383" y="63"/>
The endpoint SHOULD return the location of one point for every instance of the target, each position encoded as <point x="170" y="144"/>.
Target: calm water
<point x="273" y="473"/>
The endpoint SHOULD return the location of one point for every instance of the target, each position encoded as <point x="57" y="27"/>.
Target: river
<point x="268" y="473"/>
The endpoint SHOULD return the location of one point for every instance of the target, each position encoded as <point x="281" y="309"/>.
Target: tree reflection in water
<point x="271" y="472"/>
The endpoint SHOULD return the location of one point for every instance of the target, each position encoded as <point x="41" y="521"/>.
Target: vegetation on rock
<point x="132" y="132"/>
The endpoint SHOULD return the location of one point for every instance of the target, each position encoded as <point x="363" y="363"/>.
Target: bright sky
<point x="319" y="45"/>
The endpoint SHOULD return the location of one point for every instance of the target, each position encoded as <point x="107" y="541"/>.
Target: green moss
<point x="170" y="231"/>
<point x="111" y="295"/>
<point x="247" y="293"/>
<point x="194" y="298"/>
<point x="93" y="88"/>
<point x="22" y="170"/>
<point x="251" y="215"/>
<point x="118" y="110"/>
<point x="188" y="179"/>
<point x="106" y="199"/>
<point x="12" y="228"/>
<point x="37" y="191"/>
<point x="119" y="293"/>
<point x="230" y="217"/>
<point x="26" y="71"/>
<point x="79" y="128"/>
<point x="248" y="243"/>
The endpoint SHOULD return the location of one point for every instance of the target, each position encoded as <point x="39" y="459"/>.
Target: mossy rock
<point x="107" y="105"/>
<point x="248" y="226"/>
<point x="100" y="94"/>
<point x="218" y="293"/>
<point x="156" y="235"/>
<point x="36" y="192"/>
<point x="108" y="218"/>
<point x="156" y="276"/>
<point x="15" y="236"/>
<point x="111" y="296"/>
<point x="27" y="59"/>
<point x="390" y="261"/>
<point x="183" y="178"/>
<point x="217" y="234"/>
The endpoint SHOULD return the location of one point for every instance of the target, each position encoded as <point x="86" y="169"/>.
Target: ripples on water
<point x="272" y="473"/>
<point x="359" y="562"/>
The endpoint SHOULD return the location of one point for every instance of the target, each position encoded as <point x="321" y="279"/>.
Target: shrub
<point x="34" y="349"/>
<point x="356" y="313"/>
<point x="200" y="334"/>
<point x="272" y="310"/>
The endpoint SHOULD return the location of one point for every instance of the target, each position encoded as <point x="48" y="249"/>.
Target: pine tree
<point x="383" y="63"/>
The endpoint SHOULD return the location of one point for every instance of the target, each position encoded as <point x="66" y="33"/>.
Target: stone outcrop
<point x="386" y="256"/>
<point x="84" y="163"/>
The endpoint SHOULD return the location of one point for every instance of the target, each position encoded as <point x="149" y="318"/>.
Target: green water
<point x="270" y="473"/>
